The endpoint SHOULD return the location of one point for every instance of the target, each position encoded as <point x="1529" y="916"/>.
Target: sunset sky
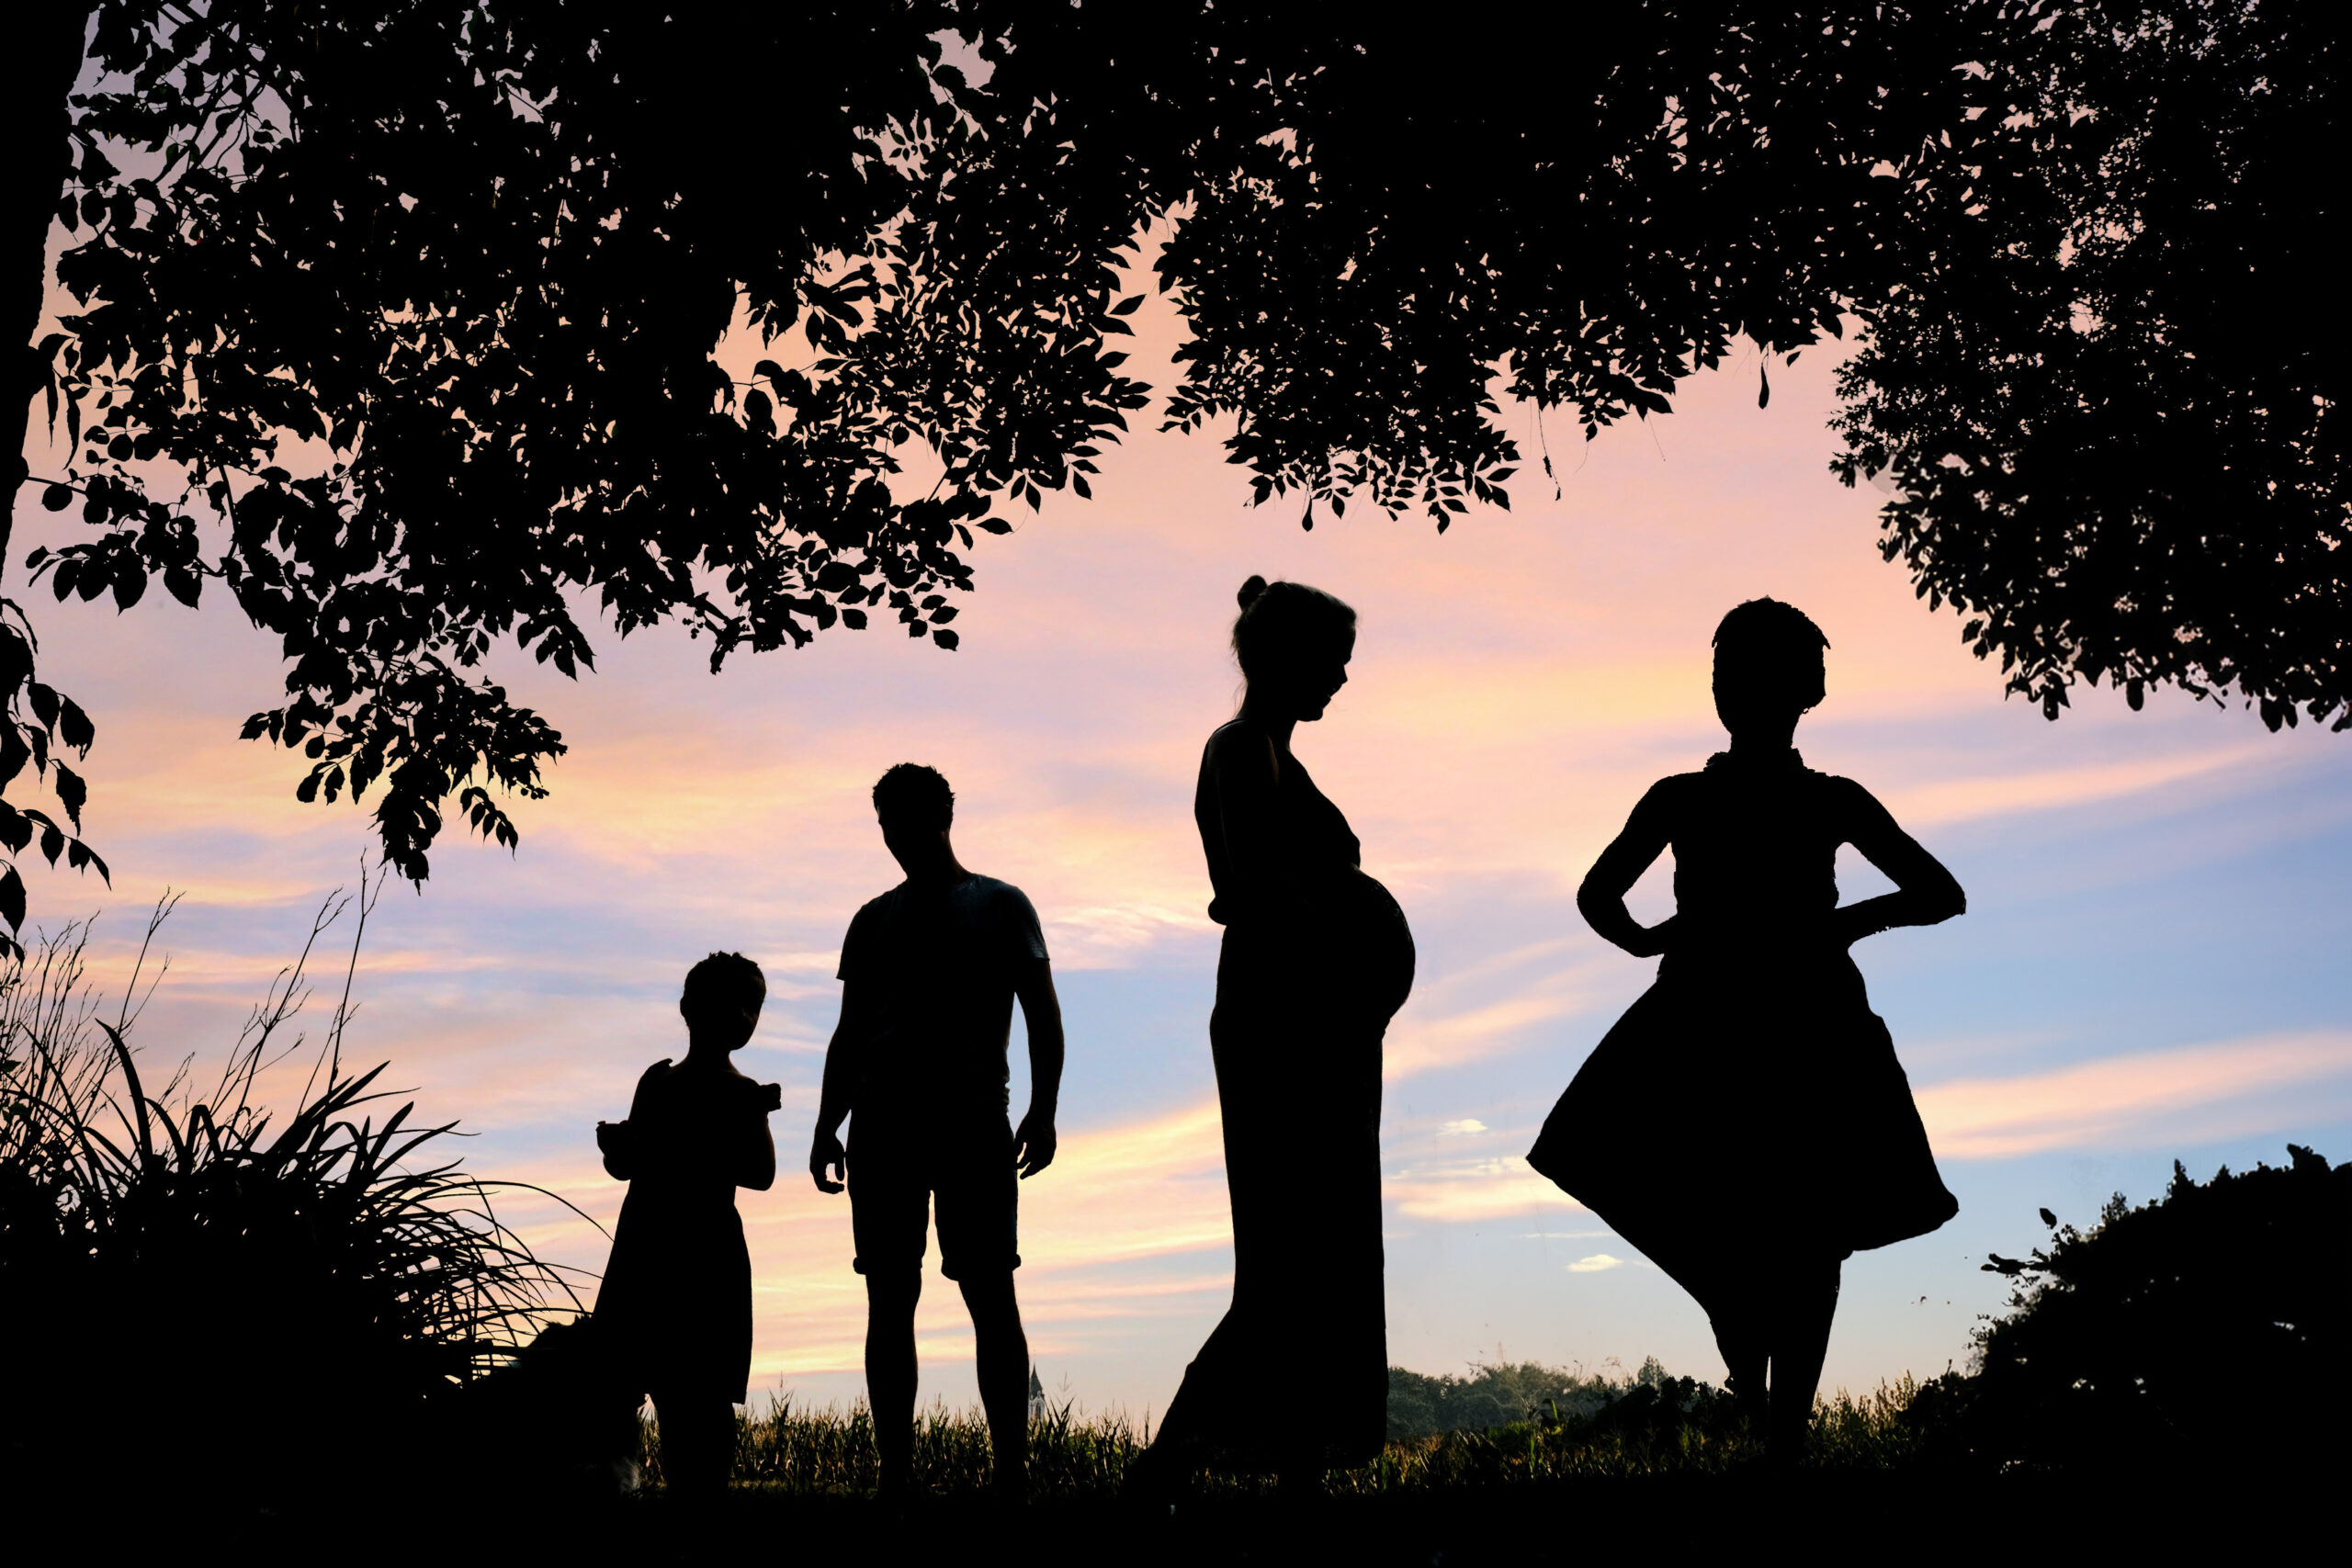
<point x="2152" y="965"/>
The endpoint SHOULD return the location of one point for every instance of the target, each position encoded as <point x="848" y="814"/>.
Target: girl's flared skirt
<point x="1740" y="1110"/>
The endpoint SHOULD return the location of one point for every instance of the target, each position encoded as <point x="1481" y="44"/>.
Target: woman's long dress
<point x="1298" y="1372"/>
<point x="675" y="1309"/>
<point x="1749" y="1104"/>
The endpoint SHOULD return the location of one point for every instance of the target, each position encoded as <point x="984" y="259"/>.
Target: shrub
<point x="2212" y="1326"/>
<point x="298" y="1284"/>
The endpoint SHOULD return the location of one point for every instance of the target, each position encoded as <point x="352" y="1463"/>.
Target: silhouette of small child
<point x="675" y="1307"/>
<point x="1745" y="1123"/>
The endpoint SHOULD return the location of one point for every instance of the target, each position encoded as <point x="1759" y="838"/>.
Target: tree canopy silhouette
<point x="398" y="321"/>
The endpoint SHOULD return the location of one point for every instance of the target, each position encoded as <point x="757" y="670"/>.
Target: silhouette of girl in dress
<point x="674" y="1310"/>
<point x="1317" y="957"/>
<point x="1745" y="1123"/>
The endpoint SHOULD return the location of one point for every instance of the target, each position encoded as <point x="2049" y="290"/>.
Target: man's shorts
<point x="900" y="1168"/>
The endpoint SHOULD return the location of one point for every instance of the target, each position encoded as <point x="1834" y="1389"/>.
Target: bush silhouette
<point x="2212" y="1326"/>
<point x="303" y="1278"/>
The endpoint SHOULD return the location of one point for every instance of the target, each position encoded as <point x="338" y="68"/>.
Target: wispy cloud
<point x="2052" y="789"/>
<point x="1417" y="1043"/>
<point x="2271" y="1083"/>
<point x="1471" y="1192"/>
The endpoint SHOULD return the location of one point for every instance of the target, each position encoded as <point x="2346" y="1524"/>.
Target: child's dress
<point x="1751" y="1102"/>
<point x="675" y="1305"/>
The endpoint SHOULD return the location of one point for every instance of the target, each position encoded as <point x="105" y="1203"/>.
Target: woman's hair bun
<point x="1282" y="622"/>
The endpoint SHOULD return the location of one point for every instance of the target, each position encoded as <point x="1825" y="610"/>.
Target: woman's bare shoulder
<point x="1239" y="745"/>
<point x="1234" y="732"/>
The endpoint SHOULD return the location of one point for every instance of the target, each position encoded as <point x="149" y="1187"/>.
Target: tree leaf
<point x="71" y="790"/>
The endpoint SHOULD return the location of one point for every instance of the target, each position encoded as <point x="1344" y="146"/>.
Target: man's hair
<point x="726" y="984"/>
<point x="912" y="795"/>
<point x="1769" y="645"/>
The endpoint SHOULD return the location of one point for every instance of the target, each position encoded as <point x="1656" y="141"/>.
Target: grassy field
<point x="1642" y="1477"/>
<point x="803" y="1453"/>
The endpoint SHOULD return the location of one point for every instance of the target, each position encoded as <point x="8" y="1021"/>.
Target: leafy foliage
<point x="38" y="726"/>
<point x="468" y="267"/>
<point x="418" y="306"/>
<point x="2224" y="1306"/>
<point x="292" y="1255"/>
<point x="2103" y="455"/>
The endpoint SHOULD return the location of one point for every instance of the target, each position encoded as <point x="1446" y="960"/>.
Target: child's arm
<point x="825" y="1151"/>
<point x="1924" y="893"/>
<point x="619" y="1150"/>
<point x="1601" y="899"/>
<point x="1034" y="1144"/>
<point x="618" y="1140"/>
<point x="758" y="1169"/>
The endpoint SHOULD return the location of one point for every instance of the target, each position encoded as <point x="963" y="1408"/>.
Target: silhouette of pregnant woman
<point x="1317" y="958"/>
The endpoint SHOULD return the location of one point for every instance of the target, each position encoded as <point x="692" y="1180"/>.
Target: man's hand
<point x="1033" y="1146"/>
<point x="825" y="1154"/>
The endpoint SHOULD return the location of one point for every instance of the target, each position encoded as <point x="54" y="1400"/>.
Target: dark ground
<point x="1742" y="1518"/>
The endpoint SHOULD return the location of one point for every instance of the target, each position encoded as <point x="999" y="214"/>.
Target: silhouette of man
<point x="929" y="973"/>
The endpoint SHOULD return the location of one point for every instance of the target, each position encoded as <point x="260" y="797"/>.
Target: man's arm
<point x="1033" y="1146"/>
<point x="841" y="1073"/>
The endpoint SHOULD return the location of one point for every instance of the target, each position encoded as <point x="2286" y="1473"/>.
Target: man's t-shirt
<point x="938" y="967"/>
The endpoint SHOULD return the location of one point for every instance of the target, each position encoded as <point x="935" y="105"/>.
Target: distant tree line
<point x="1505" y="1393"/>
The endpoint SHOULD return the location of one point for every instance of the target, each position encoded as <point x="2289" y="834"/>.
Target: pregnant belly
<point x="1372" y="944"/>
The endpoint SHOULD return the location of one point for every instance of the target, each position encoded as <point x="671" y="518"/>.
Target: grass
<point x="791" y="1452"/>
<point x="1653" y="1481"/>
